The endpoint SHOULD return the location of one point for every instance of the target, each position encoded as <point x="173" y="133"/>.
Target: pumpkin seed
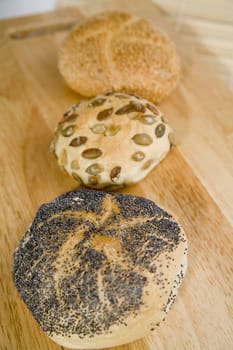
<point x="152" y="108"/>
<point x="112" y="130"/>
<point x="147" y="164"/>
<point x="67" y="113"/>
<point x="92" y="153"/>
<point x="171" y="139"/>
<point x="105" y="114"/>
<point x="142" y="139"/>
<point x="98" y="128"/>
<point x="138" y="106"/>
<point x="62" y="158"/>
<point x="115" y="173"/>
<point x="77" y="178"/>
<point x="138" y="156"/>
<point x="74" y="164"/>
<point x="78" y="141"/>
<point x="133" y="106"/>
<point x="160" y="130"/>
<point x="164" y="119"/>
<point x="125" y="109"/>
<point x="95" y="169"/>
<point x="93" y="180"/>
<point x="71" y="118"/>
<point x="147" y="119"/>
<point x="71" y="111"/>
<point x="68" y="131"/>
<point x="97" y="102"/>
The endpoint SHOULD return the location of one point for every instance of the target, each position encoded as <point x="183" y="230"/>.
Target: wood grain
<point x="194" y="182"/>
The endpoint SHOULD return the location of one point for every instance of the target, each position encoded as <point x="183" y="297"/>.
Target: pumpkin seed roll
<point x="111" y="140"/>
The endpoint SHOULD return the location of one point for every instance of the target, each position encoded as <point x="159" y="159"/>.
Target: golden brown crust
<point x="119" y="52"/>
<point x="98" y="269"/>
<point x="111" y="140"/>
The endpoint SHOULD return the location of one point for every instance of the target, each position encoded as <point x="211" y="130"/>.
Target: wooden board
<point x="194" y="182"/>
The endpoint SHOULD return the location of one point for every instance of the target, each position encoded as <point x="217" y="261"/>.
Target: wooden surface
<point x="194" y="182"/>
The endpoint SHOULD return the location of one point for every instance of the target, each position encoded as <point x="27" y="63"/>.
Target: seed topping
<point x="152" y="108"/>
<point x="105" y="114"/>
<point x="75" y="164"/>
<point x="138" y="156"/>
<point x="147" y="119"/>
<point x="98" y="128"/>
<point x="68" y="131"/>
<point x="115" y="173"/>
<point x="112" y="130"/>
<point x="160" y="130"/>
<point x="93" y="180"/>
<point x="142" y="139"/>
<point x="95" y="169"/>
<point x="147" y="164"/>
<point x="92" y="153"/>
<point x="78" y="141"/>
<point x="97" y="102"/>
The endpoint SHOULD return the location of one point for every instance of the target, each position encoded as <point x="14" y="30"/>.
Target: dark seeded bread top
<point x="83" y="264"/>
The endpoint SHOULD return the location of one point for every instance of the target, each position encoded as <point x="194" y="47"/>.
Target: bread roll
<point x="119" y="52"/>
<point x="98" y="270"/>
<point x="111" y="141"/>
